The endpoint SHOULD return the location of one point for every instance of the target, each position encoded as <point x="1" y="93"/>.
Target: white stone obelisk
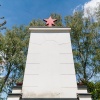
<point x="49" y="71"/>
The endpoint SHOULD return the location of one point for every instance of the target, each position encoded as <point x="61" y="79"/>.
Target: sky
<point x="18" y="12"/>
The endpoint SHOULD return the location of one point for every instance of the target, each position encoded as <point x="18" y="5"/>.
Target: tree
<point x="1" y="28"/>
<point x="13" y="49"/>
<point x="84" y="35"/>
<point x="3" y="22"/>
<point x="35" y="23"/>
<point x="85" y="39"/>
<point x="97" y="57"/>
<point x="94" y="89"/>
<point x="59" y="19"/>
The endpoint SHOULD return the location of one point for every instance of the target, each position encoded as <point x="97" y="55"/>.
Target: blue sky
<point x="17" y="12"/>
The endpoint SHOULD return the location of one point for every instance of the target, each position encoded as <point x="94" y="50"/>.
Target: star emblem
<point x="50" y="21"/>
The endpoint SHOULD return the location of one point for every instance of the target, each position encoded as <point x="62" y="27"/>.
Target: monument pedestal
<point x="49" y="72"/>
<point x="49" y="69"/>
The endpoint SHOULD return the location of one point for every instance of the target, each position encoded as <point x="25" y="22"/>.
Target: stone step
<point x="17" y="89"/>
<point x="14" y="96"/>
<point x="84" y="96"/>
<point x="81" y="89"/>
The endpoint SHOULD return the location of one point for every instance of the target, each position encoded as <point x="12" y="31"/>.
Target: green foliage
<point x="84" y="35"/>
<point x="59" y="19"/>
<point x="35" y="23"/>
<point x="85" y="39"/>
<point x="13" y="48"/>
<point x="94" y="89"/>
<point x="0" y="59"/>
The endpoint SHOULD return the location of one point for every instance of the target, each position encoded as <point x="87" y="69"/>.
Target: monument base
<point x="81" y="94"/>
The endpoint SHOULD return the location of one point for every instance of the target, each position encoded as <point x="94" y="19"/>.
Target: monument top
<point x="50" y="30"/>
<point x="50" y="21"/>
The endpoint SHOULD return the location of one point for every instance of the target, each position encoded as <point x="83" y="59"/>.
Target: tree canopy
<point x="84" y="34"/>
<point x="13" y="49"/>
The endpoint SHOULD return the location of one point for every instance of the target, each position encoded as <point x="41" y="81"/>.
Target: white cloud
<point x="90" y="8"/>
<point x="79" y="7"/>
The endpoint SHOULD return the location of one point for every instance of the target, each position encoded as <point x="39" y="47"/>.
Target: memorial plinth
<point x="49" y="71"/>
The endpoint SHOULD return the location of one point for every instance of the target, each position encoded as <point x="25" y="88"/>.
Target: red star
<point x="50" y="21"/>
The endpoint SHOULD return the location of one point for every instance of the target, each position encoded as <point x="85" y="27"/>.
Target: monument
<point x="49" y="72"/>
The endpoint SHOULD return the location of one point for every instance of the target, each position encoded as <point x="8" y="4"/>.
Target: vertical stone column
<point x="49" y="71"/>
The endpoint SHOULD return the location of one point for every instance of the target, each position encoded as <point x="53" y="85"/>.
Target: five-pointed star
<point x="50" y="21"/>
